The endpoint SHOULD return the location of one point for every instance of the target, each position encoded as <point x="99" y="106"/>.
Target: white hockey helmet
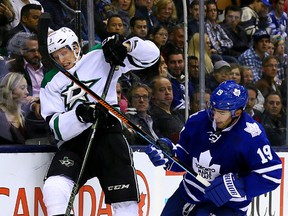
<point x="60" y="38"/>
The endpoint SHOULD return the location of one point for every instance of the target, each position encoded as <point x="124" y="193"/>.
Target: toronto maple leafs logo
<point x="236" y="92"/>
<point x="67" y="162"/>
<point x="253" y="129"/>
<point x="204" y="168"/>
<point x="73" y="93"/>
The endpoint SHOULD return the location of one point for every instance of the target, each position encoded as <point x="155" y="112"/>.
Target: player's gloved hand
<point x="89" y="112"/>
<point x="156" y="155"/>
<point x="114" y="50"/>
<point x="224" y="188"/>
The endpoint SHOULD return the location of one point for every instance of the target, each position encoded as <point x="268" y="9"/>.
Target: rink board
<point x="21" y="179"/>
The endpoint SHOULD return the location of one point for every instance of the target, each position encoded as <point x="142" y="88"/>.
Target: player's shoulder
<point x="48" y="77"/>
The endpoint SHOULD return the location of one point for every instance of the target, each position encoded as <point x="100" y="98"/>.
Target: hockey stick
<point x="42" y="37"/>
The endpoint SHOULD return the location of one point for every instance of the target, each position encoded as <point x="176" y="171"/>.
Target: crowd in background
<point x="246" y="41"/>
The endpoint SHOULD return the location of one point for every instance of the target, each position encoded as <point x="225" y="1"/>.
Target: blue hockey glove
<point x="156" y="155"/>
<point x="224" y="188"/>
<point x="89" y="112"/>
<point x="114" y="51"/>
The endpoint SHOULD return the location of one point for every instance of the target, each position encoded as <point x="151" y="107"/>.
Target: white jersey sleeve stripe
<point x="268" y="169"/>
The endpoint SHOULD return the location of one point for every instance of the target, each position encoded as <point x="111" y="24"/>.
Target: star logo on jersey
<point x="203" y="167"/>
<point x="253" y="129"/>
<point x="67" y="162"/>
<point x="74" y="93"/>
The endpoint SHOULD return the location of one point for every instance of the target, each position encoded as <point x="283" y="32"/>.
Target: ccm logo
<point x="118" y="187"/>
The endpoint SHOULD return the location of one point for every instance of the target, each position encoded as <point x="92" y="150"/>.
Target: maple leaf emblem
<point x="236" y="92"/>
<point x="203" y="167"/>
<point x="253" y="129"/>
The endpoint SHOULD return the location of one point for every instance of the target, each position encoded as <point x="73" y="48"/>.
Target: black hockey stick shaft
<point x="110" y="108"/>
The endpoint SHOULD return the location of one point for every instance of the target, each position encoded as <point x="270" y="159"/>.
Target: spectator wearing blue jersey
<point x="226" y="147"/>
<point x="254" y="55"/>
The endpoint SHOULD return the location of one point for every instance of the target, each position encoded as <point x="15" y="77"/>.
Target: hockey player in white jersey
<point x="64" y="106"/>
<point x="225" y="146"/>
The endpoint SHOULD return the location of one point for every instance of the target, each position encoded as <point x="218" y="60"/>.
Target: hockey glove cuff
<point x="114" y="50"/>
<point x="156" y="156"/>
<point x="89" y="112"/>
<point x="224" y="188"/>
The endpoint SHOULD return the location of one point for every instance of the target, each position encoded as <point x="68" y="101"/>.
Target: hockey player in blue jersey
<point x="225" y="146"/>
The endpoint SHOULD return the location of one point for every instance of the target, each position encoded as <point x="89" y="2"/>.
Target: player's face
<point x="20" y="92"/>
<point x="140" y="100"/>
<point x="65" y="57"/>
<point x="222" y="118"/>
<point x="140" y="28"/>
<point x="175" y="65"/>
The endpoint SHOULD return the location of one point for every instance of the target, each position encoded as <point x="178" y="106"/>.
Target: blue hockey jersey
<point x="242" y="149"/>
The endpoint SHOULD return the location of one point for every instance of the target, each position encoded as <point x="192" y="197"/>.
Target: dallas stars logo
<point x="73" y="93"/>
<point x="67" y="162"/>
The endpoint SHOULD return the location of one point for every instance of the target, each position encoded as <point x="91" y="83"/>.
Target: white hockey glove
<point x="224" y="188"/>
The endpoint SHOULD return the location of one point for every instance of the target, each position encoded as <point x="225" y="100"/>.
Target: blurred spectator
<point x="175" y="40"/>
<point x="193" y="70"/>
<point x="6" y="17"/>
<point x="139" y="96"/>
<point x="138" y="27"/>
<point x="159" y="35"/>
<point x="29" y="64"/>
<point x="175" y="63"/>
<point x="17" y="5"/>
<point x="63" y="13"/>
<point x="235" y="73"/>
<point x="254" y="16"/>
<point x="221" y="73"/>
<point x="269" y="71"/>
<point x="271" y="48"/>
<point x="30" y="14"/>
<point x="195" y="101"/>
<point x="278" y="19"/>
<point x="193" y="19"/>
<point x="126" y="10"/>
<point x="144" y="9"/>
<point x="252" y="100"/>
<point x="114" y="25"/>
<point x="13" y="95"/>
<point x="274" y="120"/>
<point x="194" y="50"/>
<point x="234" y="31"/>
<point x="279" y="52"/>
<point x="168" y="123"/>
<point x="122" y="100"/>
<point x="220" y="41"/>
<point x="253" y="56"/>
<point x="166" y="13"/>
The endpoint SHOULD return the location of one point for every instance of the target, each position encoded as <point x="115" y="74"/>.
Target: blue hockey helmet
<point x="229" y="96"/>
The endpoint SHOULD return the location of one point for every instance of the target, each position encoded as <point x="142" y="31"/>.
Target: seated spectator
<point x="193" y="19"/>
<point x="221" y="73"/>
<point x="252" y="100"/>
<point x="167" y="123"/>
<point x="274" y="120"/>
<point x="194" y="50"/>
<point x="271" y="48"/>
<point x="13" y="95"/>
<point x="193" y="71"/>
<point x="166" y="13"/>
<point x="235" y="73"/>
<point x="175" y="63"/>
<point x="122" y="100"/>
<point x="159" y="35"/>
<point x="254" y="56"/>
<point x="279" y="52"/>
<point x="144" y="9"/>
<point x="30" y="14"/>
<point x="139" y="97"/>
<point x="277" y="19"/>
<point x="138" y="27"/>
<point x="254" y="16"/>
<point x="195" y="101"/>
<point x="269" y="72"/>
<point x="234" y="31"/>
